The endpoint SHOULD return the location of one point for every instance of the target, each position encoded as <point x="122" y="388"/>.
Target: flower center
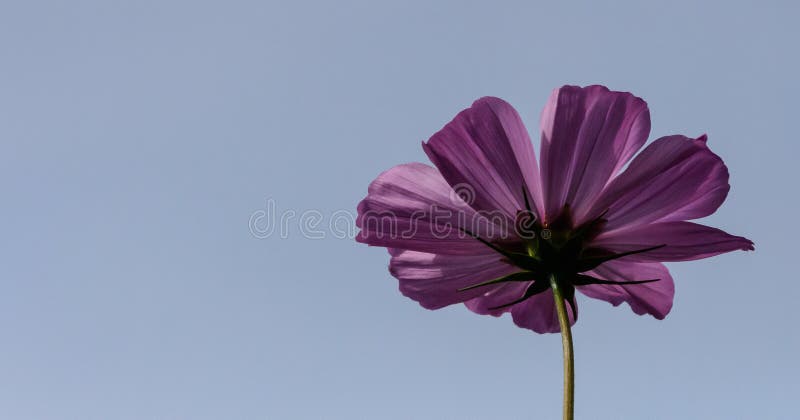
<point x="556" y="248"/>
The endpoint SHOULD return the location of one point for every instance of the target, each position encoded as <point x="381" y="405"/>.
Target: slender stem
<point x="566" y="343"/>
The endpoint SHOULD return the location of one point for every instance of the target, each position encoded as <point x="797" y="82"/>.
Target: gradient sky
<point x="137" y="140"/>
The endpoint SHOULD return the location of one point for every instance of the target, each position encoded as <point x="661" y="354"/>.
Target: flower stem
<point x="566" y="343"/>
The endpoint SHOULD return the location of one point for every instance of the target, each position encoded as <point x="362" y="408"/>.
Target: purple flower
<point x="487" y="225"/>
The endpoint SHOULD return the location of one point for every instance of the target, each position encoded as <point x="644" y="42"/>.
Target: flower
<point x="488" y="225"/>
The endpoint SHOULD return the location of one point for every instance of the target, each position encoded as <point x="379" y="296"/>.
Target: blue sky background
<point x="137" y="139"/>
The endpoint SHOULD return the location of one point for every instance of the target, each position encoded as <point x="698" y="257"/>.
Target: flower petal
<point x="684" y="241"/>
<point x="501" y="295"/>
<point x="486" y="155"/>
<point x="433" y="280"/>
<point x="412" y="207"/>
<point x="588" y="134"/>
<point x="675" y="178"/>
<point x="538" y="313"/>
<point x="649" y="298"/>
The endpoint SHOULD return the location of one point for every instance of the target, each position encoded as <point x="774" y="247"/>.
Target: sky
<point x="145" y="145"/>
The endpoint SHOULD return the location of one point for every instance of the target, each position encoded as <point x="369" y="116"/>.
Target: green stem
<point x="566" y="343"/>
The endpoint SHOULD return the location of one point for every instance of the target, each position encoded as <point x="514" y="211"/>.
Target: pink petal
<point x="649" y="298"/>
<point x="684" y="241"/>
<point x="538" y="313"/>
<point x="673" y="179"/>
<point x="588" y="134"/>
<point x="501" y="295"/>
<point x="486" y="154"/>
<point x="433" y="280"/>
<point x="412" y="207"/>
